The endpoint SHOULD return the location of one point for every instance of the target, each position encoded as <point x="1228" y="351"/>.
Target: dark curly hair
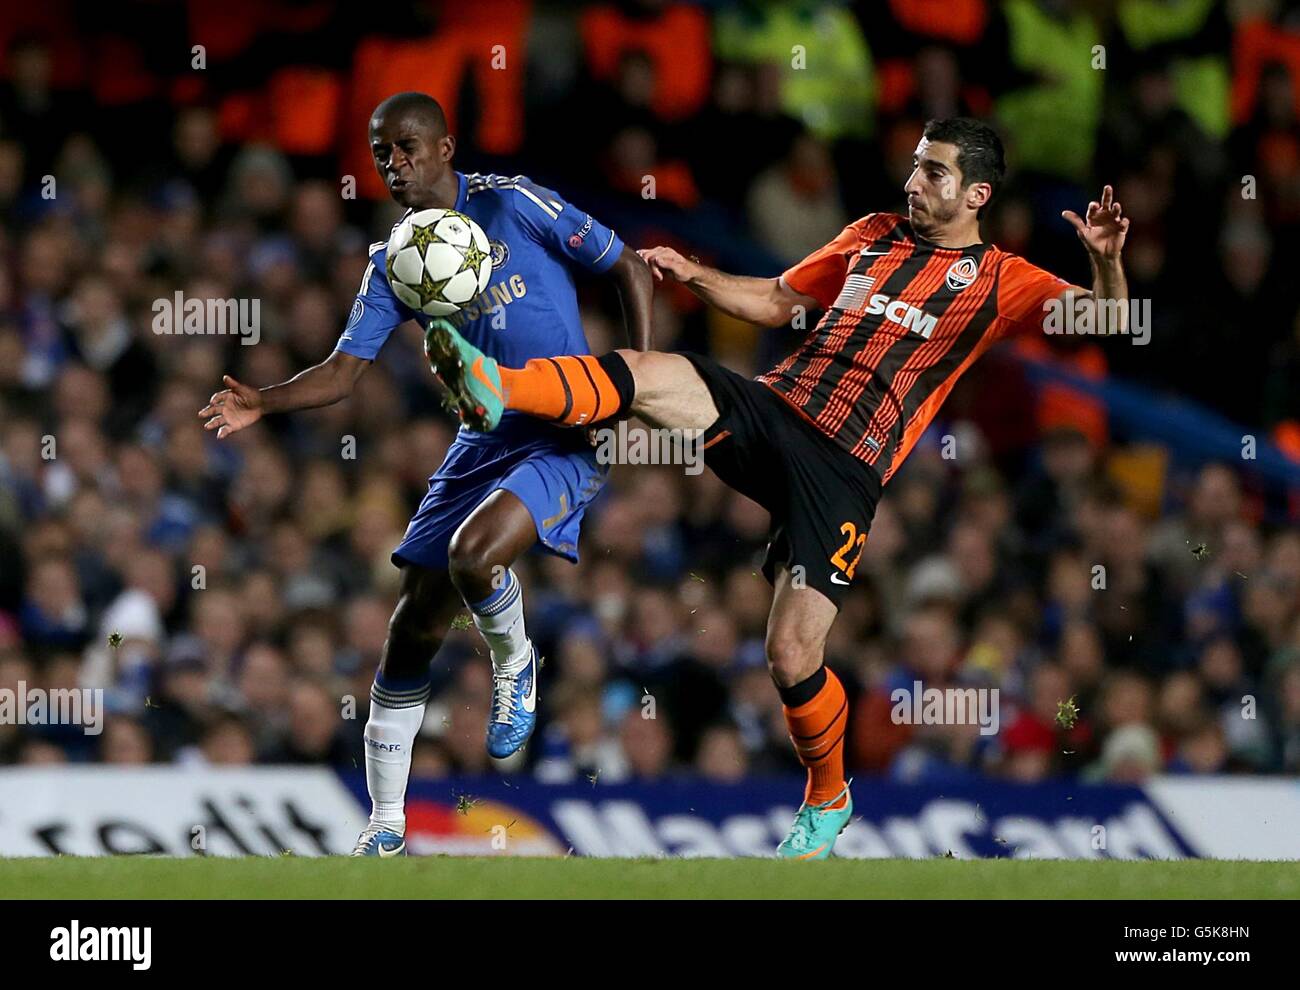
<point x="979" y="150"/>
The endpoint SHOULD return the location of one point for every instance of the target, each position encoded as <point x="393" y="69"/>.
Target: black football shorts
<point x="821" y="498"/>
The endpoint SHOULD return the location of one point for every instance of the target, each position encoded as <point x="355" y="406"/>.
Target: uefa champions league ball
<point x="437" y="261"/>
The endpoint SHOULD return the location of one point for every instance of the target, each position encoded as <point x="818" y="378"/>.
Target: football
<point x="437" y="261"/>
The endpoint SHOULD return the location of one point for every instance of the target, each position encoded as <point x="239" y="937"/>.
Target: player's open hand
<point x="232" y="409"/>
<point x="1105" y="228"/>
<point x="665" y="259"/>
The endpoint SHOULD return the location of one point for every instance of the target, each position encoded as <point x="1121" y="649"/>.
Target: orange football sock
<point x="572" y="390"/>
<point x="817" y="731"/>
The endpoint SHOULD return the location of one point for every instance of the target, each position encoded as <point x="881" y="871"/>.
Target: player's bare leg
<point x="816" y="712"/>
<point x="669" y="392"/>
<point x="481" y="552"/>
<point x="426" y="605"/>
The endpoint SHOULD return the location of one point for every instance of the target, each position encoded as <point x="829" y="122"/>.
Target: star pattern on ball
<point x="422" y="237"/>
<point x="432" y="289"/>
<point x="473" y="258"/>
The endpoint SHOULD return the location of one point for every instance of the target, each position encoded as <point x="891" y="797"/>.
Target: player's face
<point x="410" y="157"/>
<point x="935" y="197"/>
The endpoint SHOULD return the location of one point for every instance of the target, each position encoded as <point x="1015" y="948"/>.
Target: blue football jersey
<point x="529" y="308"/>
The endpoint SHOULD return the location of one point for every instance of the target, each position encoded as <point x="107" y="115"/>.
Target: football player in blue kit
<point x="496" y="495"/>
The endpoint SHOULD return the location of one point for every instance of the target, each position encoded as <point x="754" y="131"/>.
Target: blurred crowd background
<point x="250" y="580"/>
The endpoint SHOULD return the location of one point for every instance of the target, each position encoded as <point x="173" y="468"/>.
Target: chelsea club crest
<point x="500" y="253"/>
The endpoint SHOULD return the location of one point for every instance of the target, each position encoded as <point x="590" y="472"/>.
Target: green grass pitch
<point x="444" y="877"/>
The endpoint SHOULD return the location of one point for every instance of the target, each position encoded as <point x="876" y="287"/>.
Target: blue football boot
<point x="514" y="708"/>
<point x="375" y="840"/>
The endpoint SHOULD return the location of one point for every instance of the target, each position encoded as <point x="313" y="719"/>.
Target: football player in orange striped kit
<point x="909" y="303"/>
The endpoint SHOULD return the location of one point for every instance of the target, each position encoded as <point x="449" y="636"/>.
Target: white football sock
<point x="395" y="720"/>
<point x="500" y="619"/>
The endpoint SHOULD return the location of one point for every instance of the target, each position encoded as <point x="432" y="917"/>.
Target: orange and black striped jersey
<point x="904" y="318"/>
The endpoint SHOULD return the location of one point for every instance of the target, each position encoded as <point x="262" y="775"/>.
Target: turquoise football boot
<point x="471" y="377"/>
<point x="816" y="827"/>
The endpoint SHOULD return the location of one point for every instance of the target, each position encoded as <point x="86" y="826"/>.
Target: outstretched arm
<point x="768" y="302"/>
<point x="238" y="406"/>
<point x="1102" y="234"/>
<point x="635" y="291"/>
